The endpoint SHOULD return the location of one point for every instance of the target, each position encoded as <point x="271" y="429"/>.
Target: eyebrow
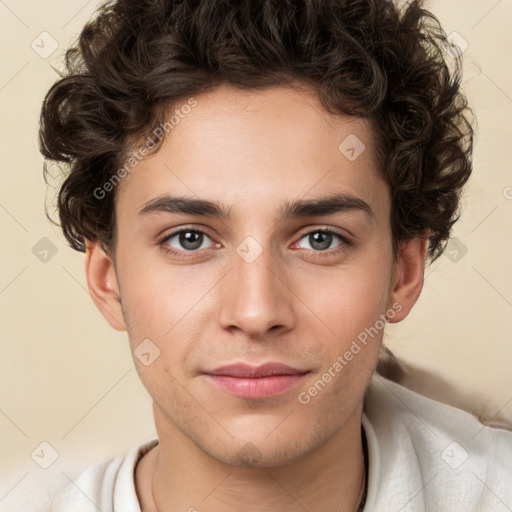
<point x="328" y="205"/>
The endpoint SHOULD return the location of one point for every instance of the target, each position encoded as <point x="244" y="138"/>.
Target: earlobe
<point x="408" y="273"/>
<point x="103" y="285"/>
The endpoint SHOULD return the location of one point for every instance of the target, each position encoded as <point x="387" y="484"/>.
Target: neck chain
<point x="365" y="452"/>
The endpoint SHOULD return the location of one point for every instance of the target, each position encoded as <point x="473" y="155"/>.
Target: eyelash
<point x="319" y="254"/>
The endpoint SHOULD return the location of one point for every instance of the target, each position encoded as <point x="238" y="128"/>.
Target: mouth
<point x="262" y="381"/>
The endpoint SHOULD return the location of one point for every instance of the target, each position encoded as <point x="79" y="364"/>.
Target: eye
<point x="187" y="240"/>
<point x="320" y="240"/>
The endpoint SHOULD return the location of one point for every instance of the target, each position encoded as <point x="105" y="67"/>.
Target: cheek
<point x="156" y="295"/>
<point x="353" y="326"/>
<point x="348" y="300"/>
<point x="351" y="309"/>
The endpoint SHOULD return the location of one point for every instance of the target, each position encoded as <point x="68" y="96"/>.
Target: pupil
<point x="323" y="238"/>
<point x="188" y="238"/>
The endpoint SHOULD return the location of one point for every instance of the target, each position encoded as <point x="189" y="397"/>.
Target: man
<point x="257" y="186"/>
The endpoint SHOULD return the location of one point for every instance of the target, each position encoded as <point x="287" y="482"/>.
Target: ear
<point x="103" y="285"/>
<point x="408" y="273"/>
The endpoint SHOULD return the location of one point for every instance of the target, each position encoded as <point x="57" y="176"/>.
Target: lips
<point x="262" y="381"/>
<point x="264" y="370"/>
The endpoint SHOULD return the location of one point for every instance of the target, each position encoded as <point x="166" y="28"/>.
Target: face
<point x="271" y="281"/>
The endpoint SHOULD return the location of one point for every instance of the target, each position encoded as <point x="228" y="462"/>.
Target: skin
<point x="252" y="150"/>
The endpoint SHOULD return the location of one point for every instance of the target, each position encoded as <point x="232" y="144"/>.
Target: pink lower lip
<point x="256" y="387"/>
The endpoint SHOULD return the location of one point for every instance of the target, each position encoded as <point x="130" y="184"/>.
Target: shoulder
<point x="91" y="490"/>
<point x="107" y="485"/>
<point x="58" y="489"/>
<point x="431" y="452"/>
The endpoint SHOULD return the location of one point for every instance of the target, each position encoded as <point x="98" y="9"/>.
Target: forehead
<point x="250" y="147"/>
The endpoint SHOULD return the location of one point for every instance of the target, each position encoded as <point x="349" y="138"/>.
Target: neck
<point x="177" y="475"/>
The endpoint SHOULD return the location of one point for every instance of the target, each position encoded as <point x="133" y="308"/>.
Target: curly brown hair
<point x="366" y="58"/>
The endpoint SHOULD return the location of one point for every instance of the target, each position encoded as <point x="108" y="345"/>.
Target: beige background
<point x="68" y="379"/>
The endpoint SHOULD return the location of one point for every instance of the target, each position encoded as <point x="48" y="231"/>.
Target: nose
<point x="256" y="297"/>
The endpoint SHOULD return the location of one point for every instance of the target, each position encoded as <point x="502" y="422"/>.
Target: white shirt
<point x="424" y="456"/>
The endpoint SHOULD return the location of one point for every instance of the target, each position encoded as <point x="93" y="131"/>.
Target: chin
<point x="251" y="451"/>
